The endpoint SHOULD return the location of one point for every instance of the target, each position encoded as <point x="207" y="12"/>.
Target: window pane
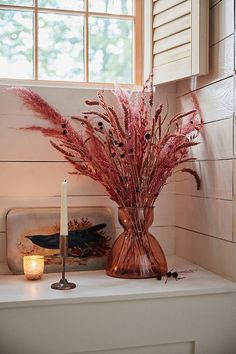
<point x="62" y="4"/>
<point x="16" y="45"/>
<point x="110" y="50"/>
<point x="61" y="47"/>
<point x="124" y="7"/>
<point x="17" y="2"/>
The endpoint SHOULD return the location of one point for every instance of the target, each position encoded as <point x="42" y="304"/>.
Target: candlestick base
<point x="63" y="285"/>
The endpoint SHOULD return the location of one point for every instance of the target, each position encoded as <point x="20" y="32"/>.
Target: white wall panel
<point x="208" y="216"/>
<point x="221" y="57"/>
<point x="20" y="145"/>
<point x="216" y="179"/>
<point x="216" y="141"/>
<point x="164" y="212"/>
<point x="43" y="179"/>
<point x="221" y="21"/>
<point x="216" y="101"/>
<point x="211" y="253"/>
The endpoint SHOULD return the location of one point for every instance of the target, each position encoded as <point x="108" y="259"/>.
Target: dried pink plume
<point x="131" y="149"/>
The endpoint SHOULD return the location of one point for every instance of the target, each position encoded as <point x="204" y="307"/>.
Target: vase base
<point x="126" y="274"/>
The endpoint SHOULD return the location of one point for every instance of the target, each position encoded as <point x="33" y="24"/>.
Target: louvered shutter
<point x="180" y="39"/>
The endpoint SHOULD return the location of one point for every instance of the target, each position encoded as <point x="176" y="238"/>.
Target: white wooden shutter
<point x="180" y="39"/>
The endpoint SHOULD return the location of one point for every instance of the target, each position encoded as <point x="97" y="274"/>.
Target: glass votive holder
<point x="33" y="267"/>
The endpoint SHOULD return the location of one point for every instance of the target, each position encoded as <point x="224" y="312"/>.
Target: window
<point x="90" y="41"/>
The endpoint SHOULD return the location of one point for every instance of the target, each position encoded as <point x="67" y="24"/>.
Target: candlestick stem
<point x="63" y="268"/>
<point x="63" y="284"/>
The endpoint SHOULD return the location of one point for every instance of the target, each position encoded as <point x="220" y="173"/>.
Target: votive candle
<point x="33" y="267"/>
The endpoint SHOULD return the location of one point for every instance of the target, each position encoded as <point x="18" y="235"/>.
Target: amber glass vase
<point x="136" y="253"/>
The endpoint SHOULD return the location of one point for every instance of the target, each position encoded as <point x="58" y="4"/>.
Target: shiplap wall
<point x="31" y="171"/>
<point x="205" y="230"/>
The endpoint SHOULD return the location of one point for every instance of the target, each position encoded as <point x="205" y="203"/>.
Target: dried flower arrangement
<point x="131" y="150"/>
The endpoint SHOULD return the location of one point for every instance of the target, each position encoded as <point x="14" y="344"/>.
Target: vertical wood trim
<point x="204" y="33"/>
<point x="200" y="36"/>
<point x="147" y="39"/>
<point x="234" y="10"/>
<point x="86" y="44"/>
<point x="35" y="43"/>
<point x="137" y="42"/>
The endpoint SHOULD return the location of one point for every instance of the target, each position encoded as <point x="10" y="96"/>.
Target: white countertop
<point x="96" y="286"/>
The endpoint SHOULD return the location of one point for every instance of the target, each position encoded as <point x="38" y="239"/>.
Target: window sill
<point x="65" y="84"/>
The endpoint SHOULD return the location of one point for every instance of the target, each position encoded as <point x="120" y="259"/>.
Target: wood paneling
<point x="216" y="141"/>
<point x="180" y="69"/>
<point x="216" y="101"/>
<point x="163" y="5"/>
<point x="211" y="253"/>
<point x="161" y="18"/>
<point x="43" y="179"/>
<point x="68" y="101"/>
<point x="208" y="216"/>
<point x="216" y="179"/>
<point x="164" y="213"/>
<point x="20" y="145"/>
<point x="221" y="57"/>
<point x="221" y="21"/>
<point x="221" y="66"/>
<point x="176" y="40"/>
<point x="178" y="25"/>
<point x="166" y="236"/>
<point x="171" y="55"/>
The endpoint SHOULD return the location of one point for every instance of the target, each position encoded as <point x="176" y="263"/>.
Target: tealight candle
<point x="33" y="267"/>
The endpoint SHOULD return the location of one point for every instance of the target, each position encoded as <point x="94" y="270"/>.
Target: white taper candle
<point x="64" y="211"/>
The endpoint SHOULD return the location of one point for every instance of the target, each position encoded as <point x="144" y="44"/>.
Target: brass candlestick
<point x="63" y="283"/>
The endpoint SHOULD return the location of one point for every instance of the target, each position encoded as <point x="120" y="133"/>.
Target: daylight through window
<point x="70" y="40"/>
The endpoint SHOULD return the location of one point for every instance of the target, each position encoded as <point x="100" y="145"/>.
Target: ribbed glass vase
<point x="136" y="253"/>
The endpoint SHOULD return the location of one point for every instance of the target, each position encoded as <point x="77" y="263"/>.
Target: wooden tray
<point x="36" y="231"/>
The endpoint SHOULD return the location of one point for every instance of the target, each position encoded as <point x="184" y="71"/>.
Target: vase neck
<point x="138" y="218"/>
